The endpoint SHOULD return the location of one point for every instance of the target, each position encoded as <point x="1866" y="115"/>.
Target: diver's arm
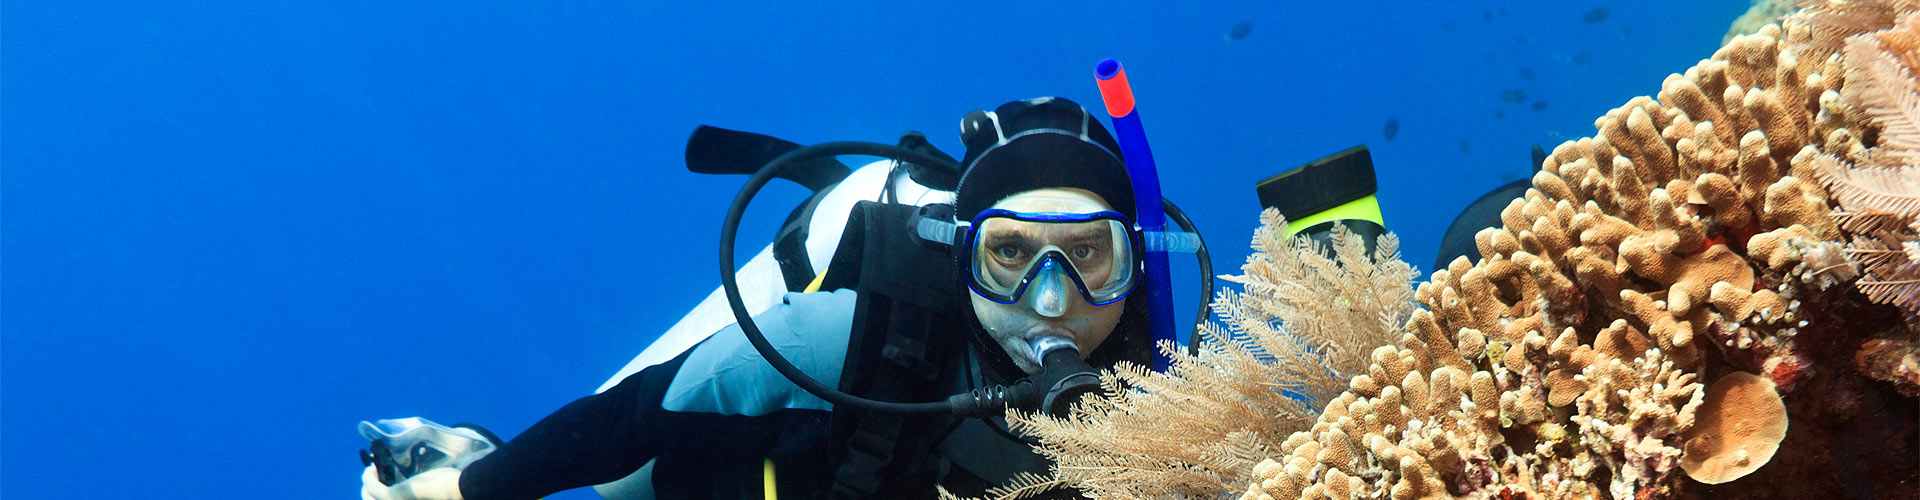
<point x="703" y="393"/>
<point x="592" y="440"/>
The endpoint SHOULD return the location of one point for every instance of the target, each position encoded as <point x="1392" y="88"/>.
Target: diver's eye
<point x="1008" y="252"/>
<point x="1084" y="252"/>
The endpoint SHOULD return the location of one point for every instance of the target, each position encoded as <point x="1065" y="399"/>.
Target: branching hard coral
<point x="1306" y="321"/>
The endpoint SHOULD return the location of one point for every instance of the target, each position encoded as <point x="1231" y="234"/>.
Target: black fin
<point x="715" y="150"/>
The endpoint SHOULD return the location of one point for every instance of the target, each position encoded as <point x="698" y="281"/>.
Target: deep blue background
<point x="233" y="229"/>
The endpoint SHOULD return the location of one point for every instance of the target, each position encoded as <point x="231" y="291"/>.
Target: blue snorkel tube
<point x="1150" y="216"/>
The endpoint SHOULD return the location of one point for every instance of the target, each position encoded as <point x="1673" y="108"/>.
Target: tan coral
<point x="1737" y="431"/>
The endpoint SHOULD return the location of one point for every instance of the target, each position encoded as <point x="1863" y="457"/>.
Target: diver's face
<point x="1057" y="309"/>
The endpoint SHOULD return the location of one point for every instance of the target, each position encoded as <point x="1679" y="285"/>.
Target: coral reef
<point x="1306" y="322"/>
<point x="1712" y="296"/>
<point x="1687" y="240"/>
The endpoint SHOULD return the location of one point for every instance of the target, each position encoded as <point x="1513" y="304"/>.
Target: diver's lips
<point x="1051" y="331"/>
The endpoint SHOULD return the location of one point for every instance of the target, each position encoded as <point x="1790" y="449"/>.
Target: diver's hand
<point x="437" y="484"/>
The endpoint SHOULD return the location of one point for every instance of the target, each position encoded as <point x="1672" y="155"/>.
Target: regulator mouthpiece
<point x="1063" y="375"/>
<point x="1062" y="380"/>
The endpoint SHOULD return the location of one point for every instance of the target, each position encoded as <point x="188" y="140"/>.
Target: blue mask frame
<point x="1053" y="258"/>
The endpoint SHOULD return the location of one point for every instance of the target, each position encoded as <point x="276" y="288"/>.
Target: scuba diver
<point x="1027" y="272"/>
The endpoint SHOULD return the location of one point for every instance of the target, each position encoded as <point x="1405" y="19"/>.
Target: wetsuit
<point x="704" y="424"/>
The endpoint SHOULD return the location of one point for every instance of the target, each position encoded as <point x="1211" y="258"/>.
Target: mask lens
<point x="1096" y="251"/>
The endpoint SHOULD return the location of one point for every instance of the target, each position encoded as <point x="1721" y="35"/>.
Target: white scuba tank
<point x="761" y="282"/>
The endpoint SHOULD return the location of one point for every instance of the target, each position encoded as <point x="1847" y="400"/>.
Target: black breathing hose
<point x="1061" y="379"/>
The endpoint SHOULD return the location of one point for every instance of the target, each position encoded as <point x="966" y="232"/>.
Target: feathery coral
<point x="1307" y="321"/>
<point x="1877" y="189"/>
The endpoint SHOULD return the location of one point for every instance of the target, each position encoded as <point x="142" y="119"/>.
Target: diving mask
<point x="1008" y="253"/>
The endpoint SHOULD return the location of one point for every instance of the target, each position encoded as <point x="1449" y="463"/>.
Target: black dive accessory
<point x="1335" y="189"/>
<point x="1063" y="376"/>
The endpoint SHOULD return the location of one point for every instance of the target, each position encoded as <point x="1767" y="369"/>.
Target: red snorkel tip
<point x="1114" y="89"/>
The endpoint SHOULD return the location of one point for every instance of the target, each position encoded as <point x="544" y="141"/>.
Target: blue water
<point x="234" y="229"/>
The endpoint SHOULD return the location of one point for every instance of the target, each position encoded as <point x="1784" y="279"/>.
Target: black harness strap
<point x="907" y="333"/>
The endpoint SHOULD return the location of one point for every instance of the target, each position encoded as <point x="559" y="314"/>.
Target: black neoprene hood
<point x="1046" y="142"/>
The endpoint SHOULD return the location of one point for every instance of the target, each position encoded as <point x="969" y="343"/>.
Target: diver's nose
<point x="1049" y="291"/>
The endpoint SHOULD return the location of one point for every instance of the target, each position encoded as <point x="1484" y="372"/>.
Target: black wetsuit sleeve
<point x="593" y="440"/>
<point x="733" y="405"/>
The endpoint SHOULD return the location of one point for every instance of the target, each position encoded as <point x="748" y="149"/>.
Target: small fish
<point x="1515" y="96"/>
<point x="1596" y="16"/>
<point x="1499" y="114"/>
<point x="1486" y="15"/>
<point x="1465" y="147"/>
<point x="1240" y="30"/>
<point x="1583" y="57"/>
<point x="1391" y="129"/>
<point x="1449" y="27"/>
<point x="1526" y="74"/>
<point x="1540" y="105"/>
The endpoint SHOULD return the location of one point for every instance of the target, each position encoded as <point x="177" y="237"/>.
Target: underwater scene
<point x="1231" y="250"/>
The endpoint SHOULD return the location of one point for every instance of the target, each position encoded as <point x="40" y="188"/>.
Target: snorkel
<point x="1149" y="216"/>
